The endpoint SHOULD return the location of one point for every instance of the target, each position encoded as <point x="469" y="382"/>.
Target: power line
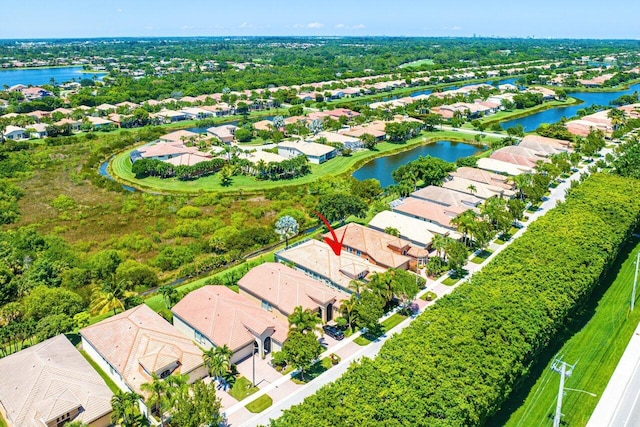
<point x="565" y="370"/>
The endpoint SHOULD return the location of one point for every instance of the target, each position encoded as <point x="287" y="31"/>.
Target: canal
<point x="381" y="167"/>
<point x="553" y="115"/>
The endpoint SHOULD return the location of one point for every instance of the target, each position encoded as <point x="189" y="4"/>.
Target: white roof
<point x="12" y="128"/>
<point x="337" y="137"/>
<point x="412" y="229"/>
<point x="502" y="167"/>
<point x="308" y="148"/>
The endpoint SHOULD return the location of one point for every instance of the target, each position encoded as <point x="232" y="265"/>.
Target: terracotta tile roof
<point x="413" y="229"/>
<point x="483" y="191"/>
<point x="429" y="211"/>
<point x="318" y="257"/>
<point x="514" y="159"/>
<point x="286" y="288"/>
<point x="447" y="197"/>
<point x="47" y="381"/>
<point x="178" y="136"/>
<point x="226" y="317"/>
<point x="137" y="336"/>
<point x="376" y="244"/>
<point x="483" y="176"/>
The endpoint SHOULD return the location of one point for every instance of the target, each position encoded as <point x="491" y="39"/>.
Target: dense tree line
<point x="458" y="362"/>
<point x="153" y="167"/>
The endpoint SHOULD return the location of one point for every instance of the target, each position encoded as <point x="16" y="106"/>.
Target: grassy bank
<point x="120" y="168"/>
<point x="516" y="114"/>
<point x="607" y="323"/>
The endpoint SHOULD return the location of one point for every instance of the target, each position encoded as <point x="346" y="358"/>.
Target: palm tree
<point x="617" y="117"/>
<point x="170" y="295"/>
<point x="472" y="189"/>
<point x="110" y="296"/>
<point x="305" y="320"/>
<point x="438" y="243"/>
<point x="225" y="352"/>
<point x="157" y="390"/>
<point x="464" y="223"/>
<point x="356" y="286"/>
<point x="348" y="310"/>
<point x="124" y="405"/>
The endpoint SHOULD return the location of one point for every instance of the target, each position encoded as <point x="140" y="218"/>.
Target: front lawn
<point x="242" y="388"/>
<point x="314" y="372"/>
<point x="482" y="256"/>
<point x="386" y="325"/>
<point x="260" y="404"/>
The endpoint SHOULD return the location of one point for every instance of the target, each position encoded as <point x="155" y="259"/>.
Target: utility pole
<point x="565" y="370"/>
<point x="635" y="282"/>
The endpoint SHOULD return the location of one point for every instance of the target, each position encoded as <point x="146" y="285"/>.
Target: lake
<point x="40" y="76"/>
<point x="553" y="115"/>
<point x="381" y="167"/>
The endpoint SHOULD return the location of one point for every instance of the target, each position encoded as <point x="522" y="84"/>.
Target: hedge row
<point x="458" y="362"/>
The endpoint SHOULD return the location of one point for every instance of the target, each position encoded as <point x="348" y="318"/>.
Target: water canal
<point x="381" y="167"/>
<point x="553" y="115"/>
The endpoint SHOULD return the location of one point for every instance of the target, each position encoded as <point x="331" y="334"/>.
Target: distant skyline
<point x="416" y="18"/>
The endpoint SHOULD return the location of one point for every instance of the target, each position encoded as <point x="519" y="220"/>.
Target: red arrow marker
<point x="336" y="245"/>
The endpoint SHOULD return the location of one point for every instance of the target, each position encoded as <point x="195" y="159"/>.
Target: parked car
<point x="333" y="332"/>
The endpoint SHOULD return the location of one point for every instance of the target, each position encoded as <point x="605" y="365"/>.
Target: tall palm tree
<point x="348" y="310"/>
<point x="438" y="243"/>
<point x="472" y="189"/>
<point x="170" y="295"/>
<point x="157" y="391"/>
<point x="110" y="296"/>
<point x="305" y="321"/>
<point x="225" y="352"/>
<point x="464" y="223"/>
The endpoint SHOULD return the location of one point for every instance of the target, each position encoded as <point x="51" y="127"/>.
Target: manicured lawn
<point x="450" y="281"/>
<point x="316" y="370"/>
<point x="595" y="340"/>
<point x="120" y="167"/>
<point x="260" y="404"/>
<point x="112" y="386"/>
<point x="429" y="296"/>
<point x="387" y="325"/>
<point x="479" y="259"/>
<point x="242" y="388"/>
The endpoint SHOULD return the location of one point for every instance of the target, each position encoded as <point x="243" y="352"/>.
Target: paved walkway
<point x="285" y="393"/>
<point x="620" y="403"/>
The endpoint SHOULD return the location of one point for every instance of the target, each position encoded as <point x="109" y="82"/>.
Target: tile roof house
<point x="377" y="247"/>
<point x="132" y="345"/>
<point x="214" y="316"/>
<point x="429" y="211"/>
<point x="420" y="233"/>
<point x="483" y="176"/>
<point x="179" y="136"/>
<point x="316" y="153"/>
<point x="500" y="166"/>
<point x="447" y="197"/>
<point x="281" y="288"/>
<point x="224" y="133"/>
<point x="50" y="384"/>
<point x="15" y="133"/>
<point x="545" y="145"/>
<point x="318" y="260"/>
<point x="478" y="189"/>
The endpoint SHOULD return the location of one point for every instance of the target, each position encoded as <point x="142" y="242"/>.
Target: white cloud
<point x="340" y="26"/>
<point x="148" y="27"/>
<point x="456" y="28"/>
<point x="245" y="24"/>
<point x="358" y="27"/>
<point x="298" y="26"/>
<point x="187" y="27"/>
<point x="119" y="10"/>
<point x="315" y="25"/>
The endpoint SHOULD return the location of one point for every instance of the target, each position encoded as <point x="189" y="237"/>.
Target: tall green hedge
<point x="458" y="362"/>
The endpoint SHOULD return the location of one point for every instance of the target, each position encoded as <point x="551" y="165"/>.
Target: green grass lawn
<point x="594" y="342"/>
<point x="502" y="116"/>
<point x="120" y="167"/>
<point x="242" y="388"/>
<point x="312" y="373"/>
<point x="387" y="325"/>
<point x="260" y="404"/>
<point x="479" y="259"/>
<point x="450" y="281"/>
<point x="429" y="296"/>
<point x="112" y="386"/>
<point x="3" y="423"/>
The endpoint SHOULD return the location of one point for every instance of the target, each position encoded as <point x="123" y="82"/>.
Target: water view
<point x="531" y="123"/>
<point x="382" y="167"/>
<point x="40" y="76"/>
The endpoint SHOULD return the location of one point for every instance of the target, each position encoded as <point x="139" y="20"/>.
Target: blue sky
<point x="464" y="18"/>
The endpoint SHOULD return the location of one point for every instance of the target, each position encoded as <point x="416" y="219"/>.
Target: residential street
<point x="237" y="415"/>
